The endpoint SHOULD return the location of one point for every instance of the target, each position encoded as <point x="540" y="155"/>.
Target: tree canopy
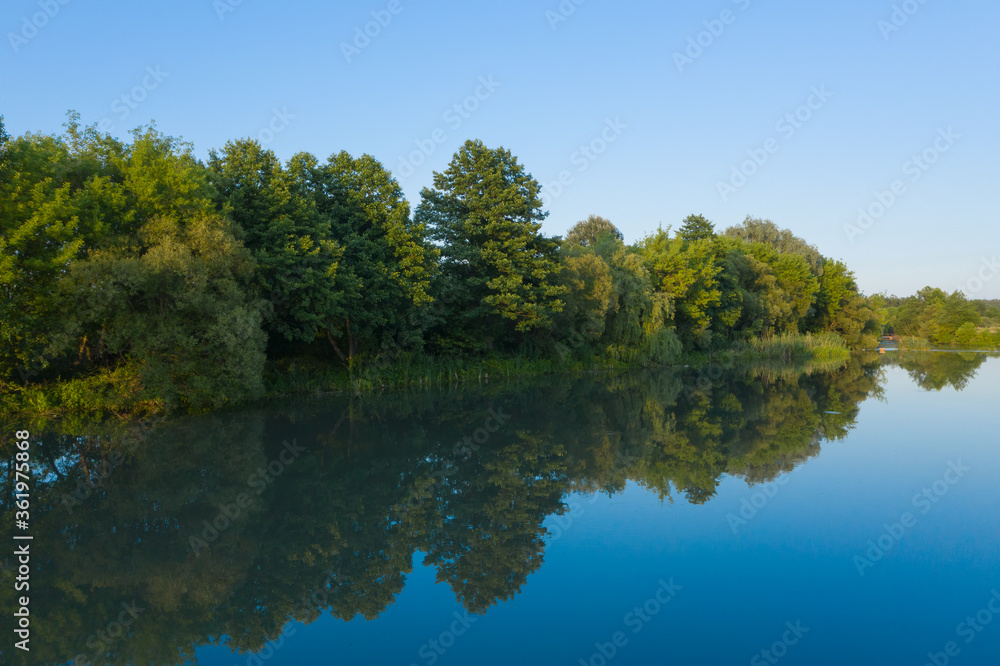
<point x="132" y="272"/>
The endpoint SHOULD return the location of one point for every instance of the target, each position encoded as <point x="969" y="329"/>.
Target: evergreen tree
<point x="499" y="272"/>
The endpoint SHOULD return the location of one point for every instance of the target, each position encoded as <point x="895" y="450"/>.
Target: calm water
<point x="720" y="516"/>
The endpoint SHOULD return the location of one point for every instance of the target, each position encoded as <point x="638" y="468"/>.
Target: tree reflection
<point x="934" y="371"/>
<point x="154" y="516"/>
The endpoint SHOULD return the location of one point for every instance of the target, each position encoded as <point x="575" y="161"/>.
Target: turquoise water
<point x="720" y="516"/>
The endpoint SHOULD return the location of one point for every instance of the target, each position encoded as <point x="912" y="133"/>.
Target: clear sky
<point x="668" y="99"/>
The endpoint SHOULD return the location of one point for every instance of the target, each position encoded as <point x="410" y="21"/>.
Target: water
<point x="697" y="517"/>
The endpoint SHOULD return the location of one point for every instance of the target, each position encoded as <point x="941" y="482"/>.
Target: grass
<point x="111" y="392"/>
<point x="822" y="347"/>
<point x="910" y="343"/>
<point x="118" y="392"/>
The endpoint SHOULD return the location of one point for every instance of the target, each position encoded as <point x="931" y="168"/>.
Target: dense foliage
<point x="135" y="275"/>
<point x="933" y="317"/>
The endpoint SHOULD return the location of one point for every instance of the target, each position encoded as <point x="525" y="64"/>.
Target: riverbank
<point x="120" y="392"/>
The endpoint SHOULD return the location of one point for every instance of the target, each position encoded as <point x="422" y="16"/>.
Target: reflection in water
<point x="225" y="528"/>
<point x="935" y="371"/>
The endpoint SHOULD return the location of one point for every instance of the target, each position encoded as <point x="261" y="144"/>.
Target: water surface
<point x="690" y="517"/>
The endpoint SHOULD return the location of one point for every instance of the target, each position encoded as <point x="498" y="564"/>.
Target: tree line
<point x="933" y="317"/>
<point x="133" y="273"/>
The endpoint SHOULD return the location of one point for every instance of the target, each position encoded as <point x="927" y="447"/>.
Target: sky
<point x="867" y="127"/>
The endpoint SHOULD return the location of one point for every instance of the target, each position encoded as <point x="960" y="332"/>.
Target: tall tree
<point x="499" y="272"/>
<point x="296" y="255"/>
<point x="387" y="266"/>
<point x="696" y="227"/>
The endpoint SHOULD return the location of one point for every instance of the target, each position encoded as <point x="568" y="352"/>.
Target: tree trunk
<point x="336" y="348"/>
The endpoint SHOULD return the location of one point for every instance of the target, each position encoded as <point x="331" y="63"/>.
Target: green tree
<point x="791" y="292"/>
<point x="499" y="273"/>
<point x="586" y="233"/>
<point x="756" y="230"/>
<point x="387" y="265"/>
<point x="841" y="308"/>
<point x="696" y="227"/>
<point x="297" y="258"/>
<point x="173" y="300"/>
<point x="590" y="295"/>
<point x="176" y="306"/>
<point x="53" y="207"/>
<point x="686" y="272"/>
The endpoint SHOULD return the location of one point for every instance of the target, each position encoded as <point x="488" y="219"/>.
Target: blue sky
<point x="664" y="134"/>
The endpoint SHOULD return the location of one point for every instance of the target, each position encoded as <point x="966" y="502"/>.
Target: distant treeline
<point x="933" y="317"/>
<point x="135" y="275"/>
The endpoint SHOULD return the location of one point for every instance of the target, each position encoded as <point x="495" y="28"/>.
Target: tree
<point x="586" y="233"/>
<point x="297" y="258"/>
<point x="387" y="265"/>
<point x="589" y="297"/>
<point x="696" y="227"/>
<point x="61" y="198"/>
<point x="932" y="314"/>
<point x="756" y="230"/>
<point x="39" y="239"/>
<point x="841" y="308"/>
<point x="172" y="300"/>
<point x="177" y="308"/>
<point x="686" y="272"/>
<point x="499" y="272"/>
<point x="791" y="293"/>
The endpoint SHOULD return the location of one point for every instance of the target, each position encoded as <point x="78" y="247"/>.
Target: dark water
<point x="721" y="516"/>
